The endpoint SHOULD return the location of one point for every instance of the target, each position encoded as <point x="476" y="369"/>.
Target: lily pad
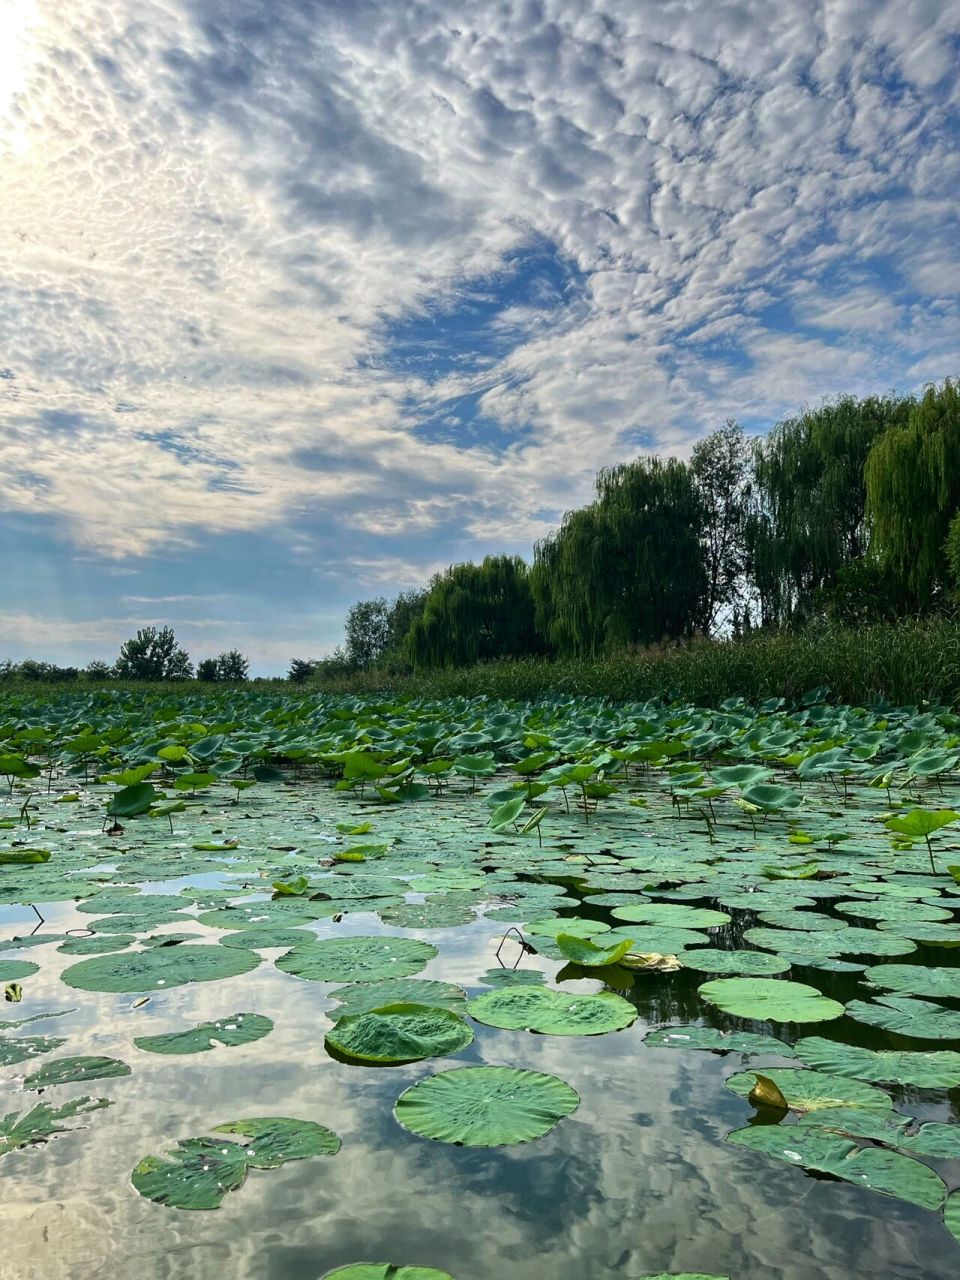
<point x="399" y="1033"/>
<point x="384" y="1271"/>
<point x="747" y="963"/>
<point x="672" y="916"/>
<point x="361" y="997"/>
<point x="588" y="954"/>
<point x="916" y="980"/>
<point x="199" y="1172"/>
<point x="26" y="1047"/>
<point x="485" y="1106"/>
<point x="770" y="1000"/>
<point x="938" y="1069"/>
<point x="907" y="1016"/>
<point x="572" y="926"/>
<point x="426" y="915"/>
<point x="264" y="937"/>
<point x="159" y="968"/>
<point x="13" y="970"/>
<point x="96" y="945"/>
<point x="43" y="1121"/>
<point x="813" y="1090"/>
<point x="880" y="1170"/>
<point x="553" y="1013"/>
<point x="74" y="1070"/>
<point x="716" y="1041"/>
<point x="356" y="959"/>
<point x="236" y="1029"/>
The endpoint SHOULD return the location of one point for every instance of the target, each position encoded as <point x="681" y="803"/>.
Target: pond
<point x="634" y="1173"/>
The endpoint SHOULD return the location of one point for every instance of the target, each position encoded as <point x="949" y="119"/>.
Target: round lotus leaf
<point x="572" y="926"/>
<point x="512" y="977"/>
<point x="13" y="970"/>
<point x="825" y="944"/>
<point x="900" y="887"/>
<point x="237" y="1028"/>
<point x="159" y="968"/>
<point x="121" y="901"/>
<point x="906" y="1016"/>
<point x="356" y="959"/>
<point x="884" y="1171"/>
<point x="894" y="910"/>
<point x="813" y="1090"/>
<point x="136" y="923"/>
<point x="384" y="1271"/>
<point x="756" y="963"/>
<point x="770" y="1000"/>
<point x="613" y="898"/>
<point x="829" y="964"/>
<point x="73" y="1070"/>
<point x="485" y="1106"/>
<point x="426" y="915"/>
<point x="806" y="921"/>
<point x="287" y="912"/>
<point x="934" y="935"/>
<point x="916" y="980"/>
<point x="96" y="945"/>
<point x="361" y="997"/>
<point x="399" y="1033"/>
<point x="552" y="1013"/>
<point x="265" y="937"/>
<point x="671" y="915"/>
<point x="933" y="1069"/>
<point x="26" y="1047"/>
<point x="716" y="1041"/>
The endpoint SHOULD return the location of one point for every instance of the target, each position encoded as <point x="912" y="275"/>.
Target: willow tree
<point x="474" y="612"/>
<point x="913" y="493"/>
<point x="809" y="499"/>
<point x="628" y="569"/>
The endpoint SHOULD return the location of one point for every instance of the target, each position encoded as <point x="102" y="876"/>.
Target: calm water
<point x="636" y="1180"/>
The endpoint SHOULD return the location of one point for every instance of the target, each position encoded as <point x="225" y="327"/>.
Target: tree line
<point x="848" y="512"/>
<point x="152" y="654"/>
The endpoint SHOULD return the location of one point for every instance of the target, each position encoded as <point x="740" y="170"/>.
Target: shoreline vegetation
<point x="908" y="662"/>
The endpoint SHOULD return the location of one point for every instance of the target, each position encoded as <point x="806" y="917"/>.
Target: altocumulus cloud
<point x="385" y="283"/>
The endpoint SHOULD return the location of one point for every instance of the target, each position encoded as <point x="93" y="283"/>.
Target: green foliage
<point x="153" y="654"/>
<point x="474" y="613"/>
<point x="628" y="569"/>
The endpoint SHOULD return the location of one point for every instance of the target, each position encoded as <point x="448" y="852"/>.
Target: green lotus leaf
<point x="907" y="1016"/>
<point x="384" y="1271"/>
<point x="936" y="1069"/>
<point x="273" y="1140"/>
<point x="236" y="1029"/>
<point x="588" y="954"/>
<point x="512" y="977"/>
<point x="553" y="1013"/>
<point x="159" y="968"/>
<point x="72" y="1070"/>
<point x="43" y="1121"/>
<point x="770" y="1000"/>
<point x="14" y="970"/>
<point x="813" y="1090"/>
<point x="97" y="944"/>
<point x="951" y="1214"/>
<point x="747" y="963"/>
<point x="671" y="916"/>
<point x="26" y="1047"/>
<point x="573" y="927"/>
<point x="426" y="915"/>
<point x="485" y="1106"/>
<point x="895" y="910"/>
<point x="716" y="1041"/>
<point x="265" y="937"/>
<point x="399" y="1033"/>
<point x="880" y="1170"/>
<point x="356" y="959"/>
<point x="361" y="997"/>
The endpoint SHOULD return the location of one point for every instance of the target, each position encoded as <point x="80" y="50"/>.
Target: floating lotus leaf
<point x="813" y="1090"/>
<point x="43" y="1121"/>
<point x="74" y="1070"/>
<point x="399" y="1033"/>
<point x="770" y="1000"/>
<point x="895" y="910"/>
<point x="159" y="968"/>
<point x="356" y="959"/>
<point x="236" y="1029"/>
<point x="553" y="1013"/>
<point x="826" y="943"/>
<point x="880" y="1170"/>
<point x="748" y="963"/>
<point x="588" y="954"/>
<point x="907" y="1016"/>
<point x="199" y="1172"/>
<point x="247" y="915"/>
<point x="716" y="1041"/>
<point x="806" y="921"/>
<point x="122" y="901"/>
<point x="512" y="977"/>
<point x="265" y="937"/>
<point x="671" y="916"/>
<point x="935" y="1069"/>
<point x="136" y="923"/>
<point x="26" y="1047"/>
<point x="933" y="1139"/>
<point x="916" y="980"/>
<point x="951" y="1214"/>
<point x="681" y="1275"/>
<point x="13" y="970"/>
<point x="385" y="1270"/>
<point x="426" y="915"/>
<point x="571" y="926"/>
<point x="96" y="945"/>
<point x="650" y="939"/>
<point x="361" y="997"/>
<point x="934" y="935"/>
<point x="485" y="1106"/>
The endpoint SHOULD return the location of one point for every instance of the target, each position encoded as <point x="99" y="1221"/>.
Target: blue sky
<point x="300" y="303"/>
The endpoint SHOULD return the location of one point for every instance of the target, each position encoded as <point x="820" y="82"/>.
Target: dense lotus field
<point x="303" y="987"/>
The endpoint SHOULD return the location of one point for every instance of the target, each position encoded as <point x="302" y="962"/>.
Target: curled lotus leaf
<point x="554" y="1013"/>
<point x="399" y="1033"/>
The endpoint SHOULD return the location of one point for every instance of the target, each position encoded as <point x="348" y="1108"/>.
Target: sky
<point x="301" y="302"/>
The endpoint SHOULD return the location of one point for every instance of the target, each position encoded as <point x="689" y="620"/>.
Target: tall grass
<point x="906" y="663"/>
